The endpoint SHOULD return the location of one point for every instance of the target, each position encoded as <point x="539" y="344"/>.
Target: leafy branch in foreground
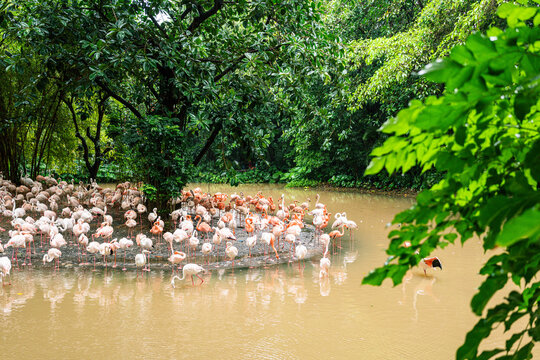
<point x="484" y="135"/>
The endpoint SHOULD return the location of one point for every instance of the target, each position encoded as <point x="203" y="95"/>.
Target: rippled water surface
<point x="280" y="312"/>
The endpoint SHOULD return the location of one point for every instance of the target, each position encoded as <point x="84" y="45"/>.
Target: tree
<point x="484" y="136"/>
<point x="84" y="113"/>
<point x="186" y="71"/>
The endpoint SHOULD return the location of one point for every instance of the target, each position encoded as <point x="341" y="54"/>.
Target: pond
<point x="279" y="312"/>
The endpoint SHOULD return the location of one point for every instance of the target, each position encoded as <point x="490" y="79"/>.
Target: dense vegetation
<point x="296" y="91"/>
<point x="484" y="135"/>
<point x="288" y="91"/>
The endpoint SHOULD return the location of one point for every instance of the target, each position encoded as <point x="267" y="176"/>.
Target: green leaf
<point x="523" y="103"/>
<point x="491" y="285"/>
<point x="468" y="350"/>
<point x="525" y="225"/>
<point x="375" y="166"/>
<point x="375" y="277"/>
<point x="532" y="159"/>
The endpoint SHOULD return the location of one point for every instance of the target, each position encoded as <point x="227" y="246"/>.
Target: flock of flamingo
<point x="57" y="215"/>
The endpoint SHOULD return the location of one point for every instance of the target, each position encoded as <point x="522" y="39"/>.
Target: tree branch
<point x="118" y="98"/>
<point x="218" y="4"/>
<point x="77" y="133"/>
<point x="154" y="21"/>
<point x="209" y="142"/>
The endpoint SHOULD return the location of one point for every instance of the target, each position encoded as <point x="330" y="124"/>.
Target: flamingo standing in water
<point x="124" y="245"/>
<point x="140" y="261"/>
<point x="5" y="268"/>
<point x="324" y="265"/>
<point x="82" y="243"/>
<point x="206" y="249"/>
<point x="189" y="269"/>
<point x="146" y="244"/>
<point x="301" y="252"/>
<point x="337" y="235"/>
<point x="325" y="240"/>
<point x="17" y="241"/>
<point x="251" y="242"/>
<point x="269" y="239"/>
<point x="53" y="254"/>
<point x="93" y="248"/>
<point x="231" y="252"/>
<point x="431" y="262"/>
<point x="176" y="258"/>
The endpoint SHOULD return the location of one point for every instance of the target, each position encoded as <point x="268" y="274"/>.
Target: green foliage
<point x="187" y="78"/>
<point x="149" y="191"/>
<point x="483" y="135"/>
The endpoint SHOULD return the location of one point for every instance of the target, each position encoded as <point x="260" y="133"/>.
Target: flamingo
<point x="291" y="239"/>
<point x="93" y="248"/>
<point x="187" y="225"/>
<point x="105" y="249"/>
<point x="176" y="258"/>
<point x="146" y="244"/>
<point x="124" y="245"/>
<point x="337" y="235"/>
<point x="140" y="261"/>
<point x="251" y="242"/>
<point x="231" y="252"/>
<point x="193" y="242"/>
<point x="169" y="237"/>
<point x="206" y="249"/>
<point x="203" y="227"/>
<point x="17" y="241"/>
<point x="340" y="220"/>
<point x="324" y="264"/>
<point x="189" y="269"/>
<point x="130" y="223"/>
<point x="58" y="241"/>
<point x="152" y="216"/>
<point x="141" y="209"/>
<point x="83" y="243"/>
<point x="325" y="240"/>
<point x="53" y="254"/>
<point x="431" y="262"/>
<point x="5" y="268"/>
<point x="301" y="252"/>
<point x="269" y="239"/>
<point x="157" y="229"/>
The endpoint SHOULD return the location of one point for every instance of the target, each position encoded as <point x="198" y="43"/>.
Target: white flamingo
<point x="53" y="254"/>
<point x="189" y="269"/>
<point x="5" y="268"/>
<point x="324" y="265"/>
<point x="251" y="242"/>
<point x="231" y="252"/>
<point x="140" y="261"/>
<point x="124" y="245"/>
<point x="206" y="249"/>
<point x="301" y="252"/>
<point x="176" y="258"/>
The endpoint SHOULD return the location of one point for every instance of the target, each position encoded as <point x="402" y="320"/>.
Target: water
<point x="276" y="313"/>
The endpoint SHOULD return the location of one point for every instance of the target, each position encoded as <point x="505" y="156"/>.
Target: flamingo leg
<point x="202" y="280"/>
<point x="192" y="283"/>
